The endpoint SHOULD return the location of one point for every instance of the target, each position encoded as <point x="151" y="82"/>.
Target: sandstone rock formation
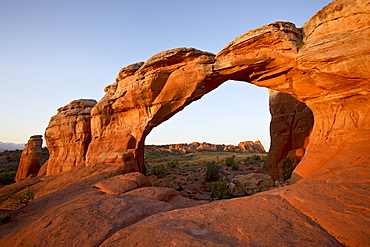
<point x="247" y="146"/>
<point x="122" y="183"/>
<point x="251" y="147"/>
<point x="290" y="129"/>
<point x="251" y="184"/>
<point x="325" y="64"/>
<point x="145" y="95"/>
<point x="333" y="80"/>
<point x="68" y="136"/>
<point x="30" y="158"/>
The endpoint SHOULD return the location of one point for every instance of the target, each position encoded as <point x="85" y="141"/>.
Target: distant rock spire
<point x="29" y="164"/>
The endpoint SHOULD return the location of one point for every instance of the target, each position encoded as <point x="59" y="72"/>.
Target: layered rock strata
<point x="290" y="129"/>
<point x="324" y="65"/>
<point x="29" y="164"/>
<point x="149" y="93"/>
<point x="68" y="136"/>
<point x="247" y="146"/>
<point x="328" y="206"/>
<point x="145" y="95"/>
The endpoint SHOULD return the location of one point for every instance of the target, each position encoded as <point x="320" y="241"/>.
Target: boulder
<point x="250" y="184"/>
<point x="122" y="183"/>
<point x="29" y="165"/>
<point x="157" y="193"/>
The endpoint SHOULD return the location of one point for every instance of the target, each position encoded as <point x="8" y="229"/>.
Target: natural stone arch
<point x="149" y="93"/>
<point x="324" y="66"/>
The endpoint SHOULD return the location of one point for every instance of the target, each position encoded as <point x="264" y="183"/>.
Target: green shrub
<point x="288" y="166"/>
<point x="265" y="168"/>
<point x="110" y="175"/>
<point x="220" y="191"/>
<point x="160" y="171"/>
<point x="235" y="166"/>
<point x="212" y="171"/>
<point x="158" y="184"/>
<point x="25" y="199"/>
<point x="256" y="157"/>
<point x="4" y="218"/>
<point x="7" y="177"/>
<point x="230" y="161"/>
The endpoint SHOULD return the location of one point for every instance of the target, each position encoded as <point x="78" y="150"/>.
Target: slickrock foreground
<point x="325" y="65"/>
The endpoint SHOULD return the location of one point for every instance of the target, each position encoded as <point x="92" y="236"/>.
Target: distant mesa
<point x="245" y="147"/>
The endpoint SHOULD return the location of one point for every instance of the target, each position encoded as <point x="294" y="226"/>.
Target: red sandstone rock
<point x="142" y="98"/>
<point x="290" y="129"/>
<point x="329" y="73"/>
<point x="247" y="146"/>
<point x="248" y="221"/>
<point x="335" y="59"/>
<point x="251" y="184"/>
<point x="138" y="178"/>
<point x="30" y="158"/>
<point x="251" y="147"/>
<point x="157" y="193"/>
<point x="122" y="183"/>
<point x="68" y="136"/>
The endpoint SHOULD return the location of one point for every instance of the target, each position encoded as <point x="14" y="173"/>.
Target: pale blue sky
<point x="54" y="51"/>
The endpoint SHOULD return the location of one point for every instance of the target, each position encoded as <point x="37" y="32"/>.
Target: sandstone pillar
<point x="290" y="129"/>
<point x="30" y="158"/>
<point x="68" y="136"/>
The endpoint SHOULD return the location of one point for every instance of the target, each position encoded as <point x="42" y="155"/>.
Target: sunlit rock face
<point x="145" y="95"/>
<point x="325" y="64"/>
<point x="68" y="136"/>
<point x="335" y="60"/>
<point x="149" y="93"/>
<point x="290" y="129"/>
<point x="327" y="67"/>
<point x="30" y="159"/>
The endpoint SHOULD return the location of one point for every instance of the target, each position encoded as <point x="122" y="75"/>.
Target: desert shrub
<point x="230" y="161"/>
<point x="235" y="166"/>
<point x="202" y="163"/>
<point x="256" y="157"/>
<point x="265" y="167"/>
<point x="110" y="175"/>
<point x="7" y="177"/>
<point x="180" y="188"/>
<point x="288" y="166"/>
<point x="158" y="184"/>
<point x="212" y="171"/>
<point x="160" y="171"/>
<point x="4" y="218"/>
<point x="220" y="191"/>
<point x="173" y="164"/>
<point x="25" y="199"/>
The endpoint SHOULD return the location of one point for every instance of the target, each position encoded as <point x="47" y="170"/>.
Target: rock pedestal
<point x="30" y="159"/>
